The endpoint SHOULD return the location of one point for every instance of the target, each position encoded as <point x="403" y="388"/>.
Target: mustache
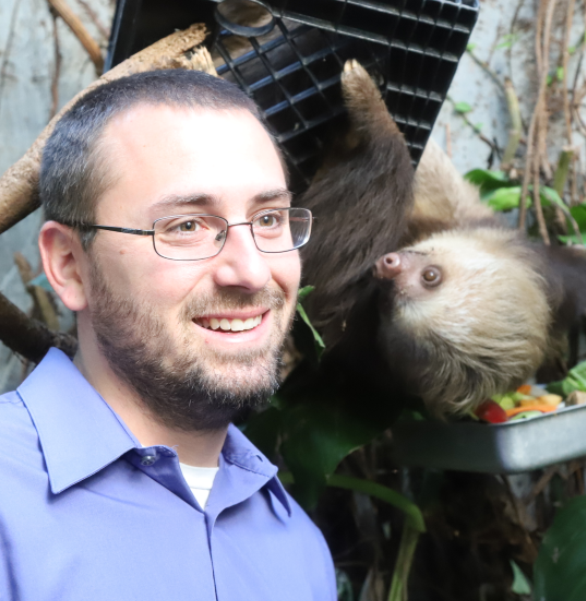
<point x="224" y="300"/>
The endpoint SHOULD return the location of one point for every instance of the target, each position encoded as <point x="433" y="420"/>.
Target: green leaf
<point x="319" y="343"/>
<point x="571" y="50"/>
<point x="413" y="514"/>
<point x="263" y="430"/>
<point x="317" y="438"/>
<point x="559" y="73"/>
<point x="478" y="126"/>
<point x="504" y="199"/>
<point x="344" y="586"/>
<point x="520" y="584"/>
<point x="471" y="47"/>
<point x="388" y="495"/>
<point x="304" y="292"/>
<point x="550" y="196"/>
<point x="578" y="212"/>
<point x="508" y="40"/>
<point x="549" y="80"/>
<point x="488" y="180"/>
<point x="462" y="107"/>
<point x="571" y="239"/>
<point x="559" y="573"/>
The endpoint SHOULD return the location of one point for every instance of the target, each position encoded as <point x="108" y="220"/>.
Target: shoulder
<point x="315" y="548"/>
<point x="20" y="452"/>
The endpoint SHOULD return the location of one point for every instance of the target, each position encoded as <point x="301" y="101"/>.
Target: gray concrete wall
<point x="27" y="68"/>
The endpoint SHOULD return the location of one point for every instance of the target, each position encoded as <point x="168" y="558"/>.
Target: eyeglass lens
<point x="192" y="237"/>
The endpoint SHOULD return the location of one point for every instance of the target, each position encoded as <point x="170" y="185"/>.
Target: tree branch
<point x="29" y="337"/>
<point x="80" y="32"/>
<point x="19" y="185"/>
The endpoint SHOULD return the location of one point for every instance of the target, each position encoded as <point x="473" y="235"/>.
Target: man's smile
<point x="229" y="325"/>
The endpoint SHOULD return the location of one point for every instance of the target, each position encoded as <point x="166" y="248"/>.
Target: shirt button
<point x="148" y="460"/>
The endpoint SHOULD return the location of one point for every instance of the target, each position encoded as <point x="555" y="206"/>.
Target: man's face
<point x="153" y="316"/>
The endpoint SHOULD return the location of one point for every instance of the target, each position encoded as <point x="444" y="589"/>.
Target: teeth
<point x="231" y="325"/>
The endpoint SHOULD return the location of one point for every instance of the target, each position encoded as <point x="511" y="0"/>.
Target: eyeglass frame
<point x="152" y="232"/>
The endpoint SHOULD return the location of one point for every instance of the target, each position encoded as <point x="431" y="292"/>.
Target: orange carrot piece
<point x="543" y="407"/>
<point x="524" y="389"/>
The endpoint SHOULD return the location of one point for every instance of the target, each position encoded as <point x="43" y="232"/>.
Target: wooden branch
<point x="516" y="125"/>
<point x="91" y="13"/>
<point x="532" y="160"/>
<point x="561" y="173"/>
<point x="56" y="70"/>
<point x="44" y="307"/>
<point x="19" y="194"/>
<point x="29" y="337"/>
<point x="80" y="32"/>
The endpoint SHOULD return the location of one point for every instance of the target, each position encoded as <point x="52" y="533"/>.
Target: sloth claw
<point x="363" y="100"/>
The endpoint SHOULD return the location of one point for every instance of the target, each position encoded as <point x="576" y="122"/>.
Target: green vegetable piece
<point x="525" y="415"/>
<point x="507" y="403"/>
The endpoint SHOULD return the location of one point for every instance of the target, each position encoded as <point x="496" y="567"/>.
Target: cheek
<point x="286" y="272"/>
<point x="159" y="283"/>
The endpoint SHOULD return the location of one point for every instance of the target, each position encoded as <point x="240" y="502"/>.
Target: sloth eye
<point x="431" y="276"/>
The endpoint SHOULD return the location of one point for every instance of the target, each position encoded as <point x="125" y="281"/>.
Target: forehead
<point x="158" y="151"/>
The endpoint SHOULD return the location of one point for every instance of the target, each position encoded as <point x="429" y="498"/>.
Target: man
<point x="170" y="234"/>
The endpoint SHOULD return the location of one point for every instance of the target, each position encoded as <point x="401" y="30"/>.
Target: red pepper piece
<point x="491" y="412"/>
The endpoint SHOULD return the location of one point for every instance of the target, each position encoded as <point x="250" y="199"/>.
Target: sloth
<point x="457" y="307"/>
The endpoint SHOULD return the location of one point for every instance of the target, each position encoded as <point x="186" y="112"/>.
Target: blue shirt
<point x="87" y="513"/>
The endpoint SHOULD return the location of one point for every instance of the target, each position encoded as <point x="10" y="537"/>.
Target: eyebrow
<point x="209" y="200"/>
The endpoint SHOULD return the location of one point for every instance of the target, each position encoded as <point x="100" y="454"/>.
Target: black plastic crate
<point x="292" y="65"/>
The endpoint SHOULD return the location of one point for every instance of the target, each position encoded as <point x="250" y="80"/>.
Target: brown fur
<point x="359" y="200"/>
<point x="501" y="309"/>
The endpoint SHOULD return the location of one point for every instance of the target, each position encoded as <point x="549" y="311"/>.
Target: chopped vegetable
<point x="578" y="397"/>
<point x="524" y="389"/>
<point x="551" y="399"/>
<point x="543" y="407"/>
<point x="491" y="412"/>
<point x="525" y="415"/>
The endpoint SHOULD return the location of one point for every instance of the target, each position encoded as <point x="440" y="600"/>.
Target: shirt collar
<point x="239" y="451"/>
<point x="80" y="434"/>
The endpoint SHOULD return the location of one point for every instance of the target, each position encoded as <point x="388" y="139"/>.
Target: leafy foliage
<point x="559" y="573"/>
<point x="520" y="584"/>
<point x="462" y="107"/>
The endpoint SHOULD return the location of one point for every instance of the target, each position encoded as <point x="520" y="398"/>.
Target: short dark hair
<point x="73" y="174"/>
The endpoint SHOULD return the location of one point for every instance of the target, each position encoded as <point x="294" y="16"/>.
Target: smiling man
<point x="170" y="234"/>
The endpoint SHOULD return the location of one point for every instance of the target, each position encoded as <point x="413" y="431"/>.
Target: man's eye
<point x="269" y="220"/>
<point x="189" y="226"/>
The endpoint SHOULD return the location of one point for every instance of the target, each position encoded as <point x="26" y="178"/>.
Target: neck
<point x="197" y="448"/>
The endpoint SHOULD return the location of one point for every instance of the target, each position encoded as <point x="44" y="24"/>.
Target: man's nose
<point x="240" y="263"/>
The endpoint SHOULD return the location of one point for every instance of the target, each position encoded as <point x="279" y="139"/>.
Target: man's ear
<point x="63" y="257"/>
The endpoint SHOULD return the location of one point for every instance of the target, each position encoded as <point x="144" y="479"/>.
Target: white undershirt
<point x="200" y="480"/>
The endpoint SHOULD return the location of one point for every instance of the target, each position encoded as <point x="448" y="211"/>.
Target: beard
<point x="184" y="387"/>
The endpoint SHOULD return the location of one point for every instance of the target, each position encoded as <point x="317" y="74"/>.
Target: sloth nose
<point x="388" y="266"/>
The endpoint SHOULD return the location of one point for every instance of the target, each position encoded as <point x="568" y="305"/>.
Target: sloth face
<point x="415" y="274"/>
<point x="464" y="302"/>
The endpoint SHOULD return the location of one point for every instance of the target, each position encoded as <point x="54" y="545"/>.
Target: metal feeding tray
<point x="508" y="448"/>
<point x="292" y="64"/>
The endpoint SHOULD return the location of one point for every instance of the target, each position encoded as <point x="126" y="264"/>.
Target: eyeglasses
<point x="198" y="237"/>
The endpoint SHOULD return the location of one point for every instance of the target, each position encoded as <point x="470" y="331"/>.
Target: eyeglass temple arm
<point x="124" y="230"/>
